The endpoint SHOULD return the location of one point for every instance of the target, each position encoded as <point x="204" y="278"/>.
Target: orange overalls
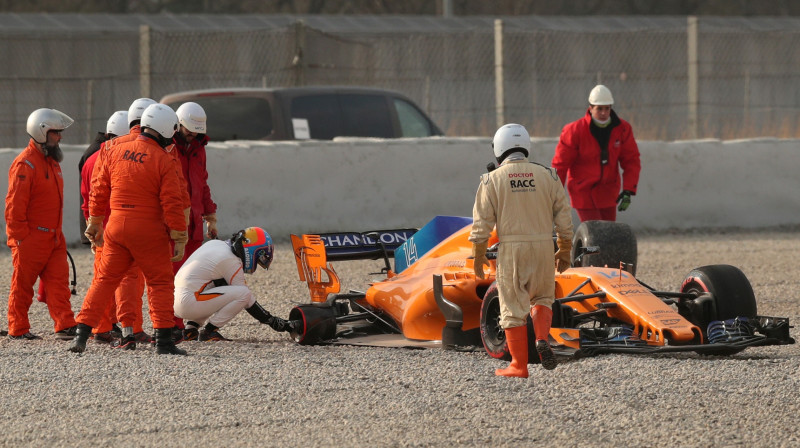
<point x="34" y="213"/>
<point x="141" y="182"/>
<point x="132" y="284"/>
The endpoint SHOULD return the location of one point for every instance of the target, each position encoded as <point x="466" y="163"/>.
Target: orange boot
<point x="542" y="318"/>
<point x="517" y="340"/>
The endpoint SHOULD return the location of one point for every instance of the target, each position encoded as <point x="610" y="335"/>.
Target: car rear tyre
<point x="616" y="241"/>
<point x="319" y="324"/>
<point x="731" y="292"/>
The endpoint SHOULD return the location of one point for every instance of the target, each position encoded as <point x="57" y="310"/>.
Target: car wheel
<point x="616" y="241"/>
<point x="492" y="334"/>
<point x="732" y="295"/>
<point x="319" y="324"/>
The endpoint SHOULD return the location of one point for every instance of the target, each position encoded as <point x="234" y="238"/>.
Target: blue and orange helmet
<point x="254" y="246"/>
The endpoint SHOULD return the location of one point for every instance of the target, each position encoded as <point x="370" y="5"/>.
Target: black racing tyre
<point x="319" y="323"/>
<point x="493" y="335"/>
<point x="732" y="294"/>
<point x="616" y="241"/>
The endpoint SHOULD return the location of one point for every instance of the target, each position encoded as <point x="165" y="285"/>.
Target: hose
<point x="74" y="281"/>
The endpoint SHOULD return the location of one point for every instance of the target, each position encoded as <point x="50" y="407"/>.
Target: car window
<point x="322" y="113"/>
<point x="344" y="115"/>
<point x="235" y="117"/>
<point x="366" y="116"/>
<point x="412" y="122"/>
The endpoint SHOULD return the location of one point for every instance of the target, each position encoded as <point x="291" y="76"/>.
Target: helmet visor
<point x="263" y="258"/>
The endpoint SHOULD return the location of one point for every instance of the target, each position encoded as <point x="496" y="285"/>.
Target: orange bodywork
<point x="408" y="297"/>
<point x="312" y="261"/>
<point x="653" y="320"/>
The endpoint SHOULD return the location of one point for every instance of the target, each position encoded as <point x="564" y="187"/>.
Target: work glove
<point x="211" y="225"/>
<point x="94" y="231"/>
<point x="180" y="238"/>
<point x="479" y="254"/>
<point x="624" y="200"/>
<point x="563" y="254"/>
<point x="187" y="212"/>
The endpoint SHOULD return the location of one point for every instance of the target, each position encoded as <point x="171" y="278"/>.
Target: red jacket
<point x="193" y="161"/>
<point x="590" y="184"/>
<point x="35" y="196"/>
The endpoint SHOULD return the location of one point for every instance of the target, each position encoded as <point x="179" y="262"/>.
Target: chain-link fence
<point x="672" y="78"/>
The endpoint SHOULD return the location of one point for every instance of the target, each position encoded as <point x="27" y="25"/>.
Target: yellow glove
<point x="479" y="253"/>
<point x="211" y="225"/>
<point x="180" y="238"/>
<point x="563" y="255"/>
<point x="94" y="231"/>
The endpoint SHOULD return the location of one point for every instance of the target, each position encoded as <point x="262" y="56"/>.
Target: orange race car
<point x="431" y="298"/>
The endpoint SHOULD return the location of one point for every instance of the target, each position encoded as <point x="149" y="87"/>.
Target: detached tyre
<point x="731" y="295"/>
<point x="616" y="241"/>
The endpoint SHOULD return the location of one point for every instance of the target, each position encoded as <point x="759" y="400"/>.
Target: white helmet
<point x="41" y="121"/>
<point x="601" y="96"/>
<point x="118" y="123"/>
<point x="160" y="118"/>
<point x="192" y="117"/>
<point x="137" y="109"/>
<point x="511" y="138"/>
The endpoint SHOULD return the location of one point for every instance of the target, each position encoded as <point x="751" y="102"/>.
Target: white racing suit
<point x="524" y="200"/>
<point x="198" y="298"/>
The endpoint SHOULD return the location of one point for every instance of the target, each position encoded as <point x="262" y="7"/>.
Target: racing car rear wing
<point x="364" y="245"/>
<point x="312" y="253"/>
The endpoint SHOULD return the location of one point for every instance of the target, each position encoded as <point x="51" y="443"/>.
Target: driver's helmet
<point x="254" y="246"/>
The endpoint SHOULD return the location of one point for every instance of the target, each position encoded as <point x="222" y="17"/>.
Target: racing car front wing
<point x="580" y="342"/>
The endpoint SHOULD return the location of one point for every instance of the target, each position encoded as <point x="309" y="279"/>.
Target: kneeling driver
<point x="210" y="287"/>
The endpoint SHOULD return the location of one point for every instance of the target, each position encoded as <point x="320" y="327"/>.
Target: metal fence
<point x="672" y="78"/>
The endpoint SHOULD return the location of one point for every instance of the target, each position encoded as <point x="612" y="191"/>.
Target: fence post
<point x="447" y="8"/>
<point x="693" y="76"/>
<point x="144" y="61"/>
<point x="499" y="93"/>
<point x="299" y="60"/>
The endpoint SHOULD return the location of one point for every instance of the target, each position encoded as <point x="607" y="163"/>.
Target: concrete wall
<point x="365" y="184"/>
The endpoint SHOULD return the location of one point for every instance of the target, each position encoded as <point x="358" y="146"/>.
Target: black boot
<point x="165" y="344"/>
<point x="82" y="334"/>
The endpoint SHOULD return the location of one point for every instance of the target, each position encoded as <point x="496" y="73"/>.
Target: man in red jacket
<point x="190" y="144"/>
<point x="588" y="157"/>
<point x="34" y="214"/>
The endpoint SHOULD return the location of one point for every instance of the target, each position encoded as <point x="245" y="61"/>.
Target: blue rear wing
<point x="343" y="246"/>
